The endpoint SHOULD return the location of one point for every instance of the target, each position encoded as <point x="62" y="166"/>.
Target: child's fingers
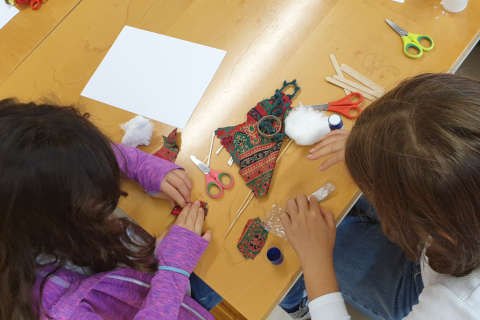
<point x="199" y="221"/>
<point x="182" y="217"/>
<point x="207" y="235"/>
<point x="329" y="219"/>
<point x="330" y="148"/>
<point x="184" y="176"/>
<point x="314" y="206"/>
<point x="192" y="217"/>
<point x="292" y="208"/>
<point x="339" y="157"/>
<point x="173" y="193"/>
<point x="329" y="138"/>
<point x="180" y="185"/>
<point x="302" y="203"/>
<point x="340" y="132"/>
<point x="285" y="220"/>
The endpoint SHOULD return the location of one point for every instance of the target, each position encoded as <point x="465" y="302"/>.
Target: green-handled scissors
<point x="412" y="40"/>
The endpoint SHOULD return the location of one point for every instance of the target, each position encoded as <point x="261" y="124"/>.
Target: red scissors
<point x="348" y="106"/>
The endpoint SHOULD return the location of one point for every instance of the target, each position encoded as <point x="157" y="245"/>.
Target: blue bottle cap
<point x="335" y="122"/>
<point x="275" y="255"/>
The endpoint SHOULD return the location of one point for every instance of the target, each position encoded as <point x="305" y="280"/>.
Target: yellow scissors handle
<point x="413" y="40"/>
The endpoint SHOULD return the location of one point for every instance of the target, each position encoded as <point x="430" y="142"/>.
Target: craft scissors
<point x="348" y="106"/>
<point x="412" y="40"/>
<point x="214" y="179"/>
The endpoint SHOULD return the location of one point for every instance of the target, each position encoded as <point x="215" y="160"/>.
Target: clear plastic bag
<point x="322" y="193"/>
<point x="272" y="219"/>
<point x="273" y="223"/>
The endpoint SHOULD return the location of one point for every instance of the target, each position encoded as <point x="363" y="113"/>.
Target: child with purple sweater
<point x="63" y="254"/>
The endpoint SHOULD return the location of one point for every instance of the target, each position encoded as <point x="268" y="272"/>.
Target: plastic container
<point x="275" y="256"/>
<point x="454" y="6"/>
<point x="335" y="122"/>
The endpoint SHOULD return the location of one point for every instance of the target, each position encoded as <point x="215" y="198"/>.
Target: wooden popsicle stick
<point x="239" y="212"/>
<point x="250" y="197"/>
<point x="358" y="86"/>
<point x="338" y="71"/>
<point x="346" y="86"/>
<point x="219" y="150"/>
<point x="358" y="76"/>
<point x="211" y="149"/>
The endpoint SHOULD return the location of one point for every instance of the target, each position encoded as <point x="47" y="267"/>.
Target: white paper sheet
<point x="157" y="76"/>
<point x="7" y="12"/>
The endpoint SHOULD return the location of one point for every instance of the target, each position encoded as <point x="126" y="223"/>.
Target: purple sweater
<point x="125" y="293"/>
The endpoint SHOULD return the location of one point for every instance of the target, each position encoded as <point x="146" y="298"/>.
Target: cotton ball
<point x="138" y="131"/>
<point x="306" y="126"/>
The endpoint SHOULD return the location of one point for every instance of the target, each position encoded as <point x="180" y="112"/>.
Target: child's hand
<point x="332" y="144"/>
<point x="192" y="218"/>
<point x="310" y="230"/>
<point x="176" y="186"/>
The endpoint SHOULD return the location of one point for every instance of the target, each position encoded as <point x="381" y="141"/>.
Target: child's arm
<point x="178" y="254"/>
<point x="154" y="174"/>
<point x="311" y="232"/>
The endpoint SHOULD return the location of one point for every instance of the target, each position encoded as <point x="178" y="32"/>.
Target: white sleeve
<point x="439" y="303"/>
<point x="328" y="307"/>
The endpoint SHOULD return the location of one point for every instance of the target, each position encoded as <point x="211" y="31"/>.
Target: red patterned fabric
<point x="256" y="154"/>
<point x="177" y="209"/>
<point x="253" y="238"/>
<point x="169" y="150"/>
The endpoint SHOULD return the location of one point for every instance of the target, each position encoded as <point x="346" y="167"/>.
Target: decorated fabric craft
<point x="255" y="144"/>
<point x="177" y="209"/>
<point x="169" y="150"/>
<point x="253" y="238"/>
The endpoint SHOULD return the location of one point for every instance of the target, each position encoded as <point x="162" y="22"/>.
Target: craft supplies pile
<point x="254" y="145"/>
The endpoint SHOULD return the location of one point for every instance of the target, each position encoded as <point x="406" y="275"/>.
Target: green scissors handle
<point x="412" y="40"/>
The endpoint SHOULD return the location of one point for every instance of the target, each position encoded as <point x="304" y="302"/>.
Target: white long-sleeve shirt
<point x="443" y="297"/>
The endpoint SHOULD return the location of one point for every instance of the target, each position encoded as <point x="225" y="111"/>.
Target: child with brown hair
<point x="415" y="252"/>
<point x="63" y="253"/>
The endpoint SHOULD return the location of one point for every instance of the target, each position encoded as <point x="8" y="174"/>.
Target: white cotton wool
<point x="138" y="131"/>
<point x="306" y="126"/>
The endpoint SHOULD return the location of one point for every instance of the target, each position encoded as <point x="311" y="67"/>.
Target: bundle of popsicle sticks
<point x="369" y="89"/>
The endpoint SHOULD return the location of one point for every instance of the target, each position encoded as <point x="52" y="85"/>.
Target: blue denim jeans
<point x="203" y="294"/>
<point x="374" y="275"/>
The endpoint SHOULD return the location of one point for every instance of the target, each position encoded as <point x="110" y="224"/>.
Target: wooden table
<point x="27" y="30"/>
<point x="267" y="42"/>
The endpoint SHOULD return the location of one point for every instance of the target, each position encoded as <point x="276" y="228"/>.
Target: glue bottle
<point x="335" y="122"/>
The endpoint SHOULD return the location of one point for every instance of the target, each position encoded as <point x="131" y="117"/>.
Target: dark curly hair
<point x="59" y="185"/>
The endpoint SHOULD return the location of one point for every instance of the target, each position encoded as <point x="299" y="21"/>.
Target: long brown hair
<point x="59" y="184"/>
<point x="415" y="153"/>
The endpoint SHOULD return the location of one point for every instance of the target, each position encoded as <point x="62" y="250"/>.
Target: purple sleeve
<point x="142" y="167"/>
<point x="181" y="248"/>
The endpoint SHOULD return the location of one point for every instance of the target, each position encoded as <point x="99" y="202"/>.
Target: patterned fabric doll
<point x="255" y="144"/>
